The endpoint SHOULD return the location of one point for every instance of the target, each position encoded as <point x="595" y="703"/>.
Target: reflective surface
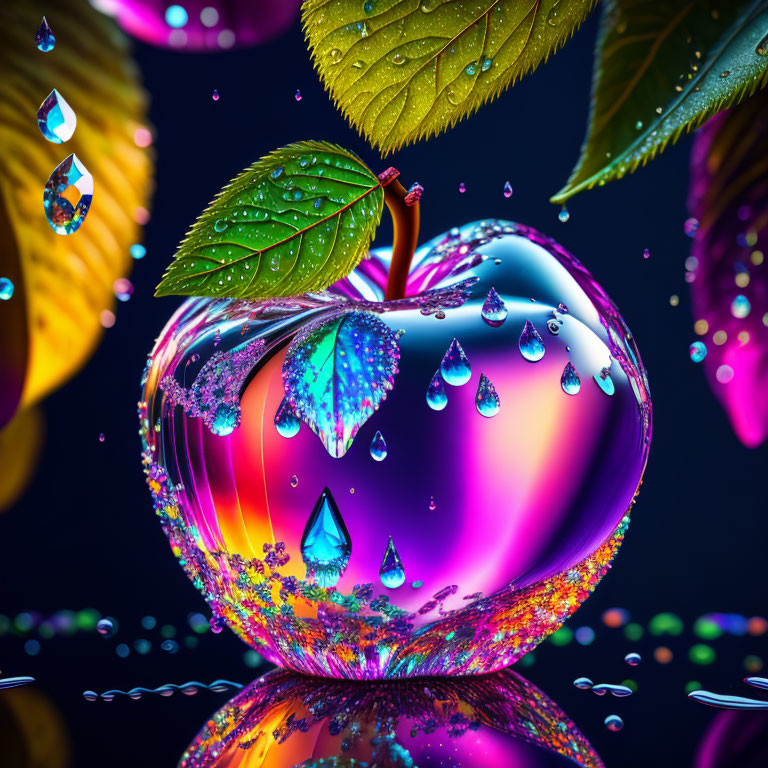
<point x="505" y="487"/>
<point x="285" y="720"/>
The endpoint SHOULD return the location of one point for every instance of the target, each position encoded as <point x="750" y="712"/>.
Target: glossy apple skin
<point x="504" y="525"/>
<point x="285" y="720"/>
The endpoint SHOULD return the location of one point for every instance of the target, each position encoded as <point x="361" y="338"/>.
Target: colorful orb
<point x="284" y="720"/>
<point x="381" y="490"/>
<point x="202" y="25"/>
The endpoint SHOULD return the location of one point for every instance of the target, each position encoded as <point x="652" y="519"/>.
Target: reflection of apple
<point x="286" y="720"/>
<point x="504" y="499"/>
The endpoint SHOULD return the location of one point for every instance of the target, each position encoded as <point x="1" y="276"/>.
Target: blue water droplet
<point x="437" y="398"/>
<point x="325" y="543"/>
<point x="740" y="307"/>
<point x="137" y="251"/>
<point x="57" y="120"/>
<point x="486" y="399"/>
<point x="507" y="189"/>
<point x="455" y="367"/>
<point x="215" y="95"/>
<point x="225" y="419"/>
<point x="220" y="225"/>
<point x="614" y="723"/>
<point x="633" y="659"/>
<point x="494" y="310"/>
<point x="584" y="683"/>
<point x="44" y="38"/>
<point x="67" y="196"/>
<point x="106" y="627"/>
<point x="564" y="215"/>
<point x="392" y="572"/>
<point x="286" y="421"/>
<point x="570" y="381"/>
<point x="6" y="288"/>
<point x="531" y="344"/>
<point x="697" y="351"/>
<point x="604" y="381"/>
<point x="378" y="447"/>
<point x="277" y="172"/>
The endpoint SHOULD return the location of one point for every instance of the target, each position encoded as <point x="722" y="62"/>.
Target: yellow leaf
<point x="65" y="282"/>
<point x="20" y="444"/>
<point x="403" y="71"/>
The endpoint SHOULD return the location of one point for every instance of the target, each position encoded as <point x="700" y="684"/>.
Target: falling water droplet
<point x="462" y="187"/>
<point x="102" y="437"/>
<point x="294" y="481"/>
<point x="57" y="120"/>
<point x="44" y="38"/>
<point x="570" y="381"/>
<point x="604" y="381"/>
<point x="437" y="398"/>
<point x="494" y="310"/>
<point x="486" y="398"/>
<point x="614" y="723"/>
<point x="298" y="95"/>
<point x="392" y="572"/>
<point x="633" y="659"/>
<point x="564" y="215"/>
<point x="697" y="351"/>
<point x="432" y="505"/>
<point x="646" y="254"/>
<point x="286" y="421"/>
<point x="325" y="543"/>
<point x="507" y="189"/>
<point x="455" y="366"/>
<point x="584" y="683"/>
<point x="67" y="196"/>
<point x="6" y="288"/>
<point x="105" y="627"/>
<point x="378" y="447"/>
<point x="531" y="344"/>
<point x="215" y="95"/>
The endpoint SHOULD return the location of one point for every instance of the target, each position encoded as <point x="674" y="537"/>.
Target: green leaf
<point x="296" y="221"/>
<point x="663" y="68"/>
<point x="404" y="71"/>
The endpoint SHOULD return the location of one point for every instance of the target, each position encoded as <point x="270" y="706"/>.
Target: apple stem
<point x="404" y="207"/>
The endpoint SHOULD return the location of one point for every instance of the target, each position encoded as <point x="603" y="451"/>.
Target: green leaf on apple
<point x="401" y="72"/>
<point x="296" y="221"/>
<point x="664" y="68"/>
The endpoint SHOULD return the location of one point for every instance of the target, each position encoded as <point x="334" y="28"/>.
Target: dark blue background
<point x="85" y="533"/>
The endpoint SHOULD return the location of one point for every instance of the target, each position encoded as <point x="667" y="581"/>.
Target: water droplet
<point x="274" y="263"/>
<point x="44" y="38"/>
<point x="225" y="419"/>
<point x="286" y="421"/>
<point x="368" y="7"/>
<point x="57" y="120"/>
<point x="432" y="505"/>
<point x="215" y="95"/>
<point x="455" y="366"/>
<point x="325" y="543"/>
<point x="725" y="73"/>
<point x="277" y="172"/>
<point x="67" y="196"/>
<point x="584" y="683"/>
<point x="697" y="351"/>
<point x="437" y="398"/>
<point x="392" y="572"/>
<point x="614" y="723"/>
<point x="294" y="481"/>
<point x="564" y="215"/>
<point x="761" y="50"/>
<point x="639" y="125"/>
<point x="646" y="254"/>
<point x="378" y="447"/>
<point x="486" y="65"/>
<point x="486" y="398"/>
<point x="494" y="310"/>
<point x="570" y="381"/>
<point x="106" y="627"/>
<point x="615" y="690"/>
<point x="530" y="343"/>
<point x="507" y="189"/>
<point x="220" y="225"/>
<point x="6" y="288"/>
<point x="90" y="695"/>
<point x="462" y="187"/>
<point x="297" y="95"/>
<point x="398" y="59"/>
<point x="471" y="68"/>
<point x="553" y="17"/>
<point x="335" y="55"/>
<point x="633" y="659"/>
<point x="605" y="382"/>
<point x="740" y="307"/>
<point x="102" y="437"/>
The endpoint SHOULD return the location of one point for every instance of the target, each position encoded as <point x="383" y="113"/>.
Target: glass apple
<point x="432" y="484"/>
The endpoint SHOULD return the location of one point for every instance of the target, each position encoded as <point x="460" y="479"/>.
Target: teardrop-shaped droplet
<point x="507" y="189"/>
<point x="486" y="398"/>
<point x="564" y="215"/>
<point x="531" y="344"/>
<point x="605" y="382"/>
<point x="286" y="421"/>
<point x="392" y="572"/>
<point x="437" y="398"/>
<point x="67" y="196"/>
<point x="494" y="310"/>
<point x="325" y="543"/>
<point x="44" y="38"/>
<point x="378" y="447"/>
<point x="215" y="95"/>
<point x="570" y="381"/>
<point x="455" y="367"/>
<point x="57" y="120"/>
<point x="462" y="187"/>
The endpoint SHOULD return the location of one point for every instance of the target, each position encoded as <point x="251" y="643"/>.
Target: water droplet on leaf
<point x="286" y="421"/>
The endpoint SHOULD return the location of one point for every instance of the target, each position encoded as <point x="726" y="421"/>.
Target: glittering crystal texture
<point x="67" y="196"/>
<point x="57" y="120"/>
<point x="397" y="489"/>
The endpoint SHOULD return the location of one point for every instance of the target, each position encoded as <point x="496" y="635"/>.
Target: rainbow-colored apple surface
<point x="364" y="488"/>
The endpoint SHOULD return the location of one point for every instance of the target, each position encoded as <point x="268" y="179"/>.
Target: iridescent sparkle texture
<point x="284" y="720"/>
<point x="57" y="120"/>
<point x="503" y="484"/>
<point x="67" y="196"/>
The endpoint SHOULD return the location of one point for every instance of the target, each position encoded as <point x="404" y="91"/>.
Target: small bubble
<point x="297" y="95"/>
<point x="564" y="215"/>
<point x="697" y="351"/>
<point x="102" y="437"/>
<point x="507" y="189"/>
<point x="6" y="289"/>
<point x="294" y="481"/>
<point x="614" y="723"/>
<point x="633" y="659"/>
<point x="106" y="627"/>
<point x="462" y="187"/>
<point x="646" y="254"/>
<point x="215" y="95"/>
